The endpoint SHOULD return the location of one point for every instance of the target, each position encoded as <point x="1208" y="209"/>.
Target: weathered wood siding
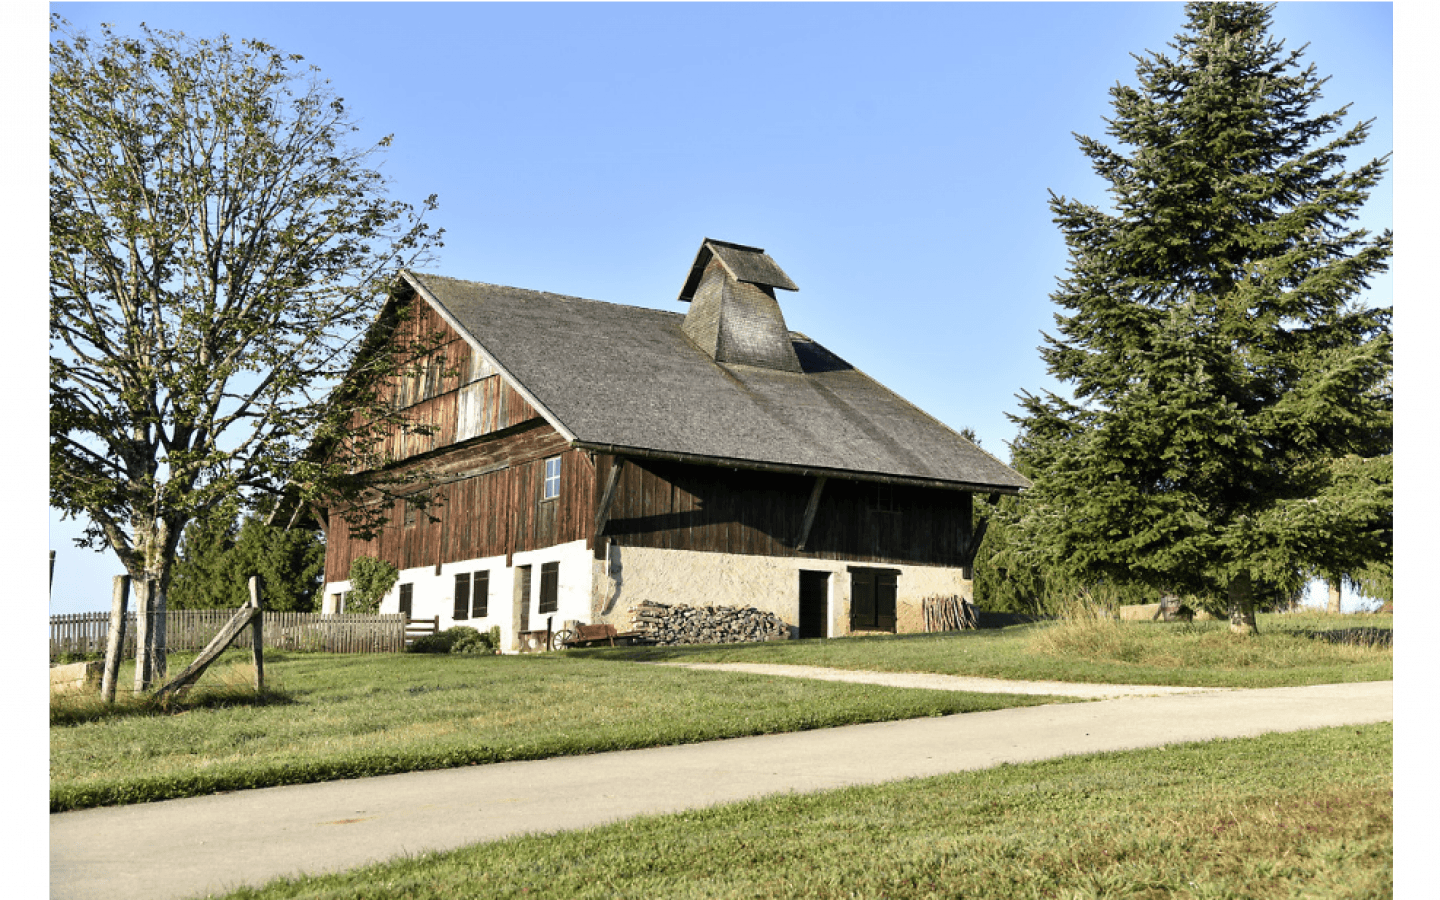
<point x="488" y="503"/>
<point x="453" y="390"/>
<point x="688" y="507"/>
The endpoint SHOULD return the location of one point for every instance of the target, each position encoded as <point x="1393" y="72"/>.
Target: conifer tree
<point x="1229" y="418"/>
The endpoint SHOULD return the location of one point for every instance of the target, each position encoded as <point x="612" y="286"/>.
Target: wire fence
<point x="192" y="629"/>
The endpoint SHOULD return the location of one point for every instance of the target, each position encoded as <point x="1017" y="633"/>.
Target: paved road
<point x="186" y="848"/>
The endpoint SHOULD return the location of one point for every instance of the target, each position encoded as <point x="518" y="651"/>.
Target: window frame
<point x="407" y="599"/>
<point x="550" y="484"/>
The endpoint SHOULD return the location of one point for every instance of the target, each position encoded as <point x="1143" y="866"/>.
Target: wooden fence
<point x="192" y="629"/>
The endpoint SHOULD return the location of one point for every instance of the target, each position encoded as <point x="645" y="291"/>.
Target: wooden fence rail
<point x="192" y="629"/>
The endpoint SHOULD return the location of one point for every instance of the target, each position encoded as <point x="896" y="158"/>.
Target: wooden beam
<point x="810" y="508"/>
<point x="602" y="513"/>
<point x="257" y="630"/>
<point x="242" y="618"/>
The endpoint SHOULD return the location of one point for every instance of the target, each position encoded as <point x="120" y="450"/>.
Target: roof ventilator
<point x="733" y="315"/>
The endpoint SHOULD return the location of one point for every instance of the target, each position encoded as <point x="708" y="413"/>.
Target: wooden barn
<point x="590" y="456"/>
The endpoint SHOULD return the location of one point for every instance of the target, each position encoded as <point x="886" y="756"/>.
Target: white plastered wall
<point x="434" y="595"/>
<point x="769" y="583"/>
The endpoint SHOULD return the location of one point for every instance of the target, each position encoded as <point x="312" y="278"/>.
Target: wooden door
<point x="872" y="599"/>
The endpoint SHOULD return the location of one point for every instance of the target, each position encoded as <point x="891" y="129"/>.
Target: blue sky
<point x="895" y="159"/>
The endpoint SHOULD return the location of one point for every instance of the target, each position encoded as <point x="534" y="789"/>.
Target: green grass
<point x="1202" y="654"/>
<point x="1307" y="814"/>
<point x="349" y="716"/>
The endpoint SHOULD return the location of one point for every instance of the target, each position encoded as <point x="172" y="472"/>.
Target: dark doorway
<point x="872" y="599"/>
<point x="814" y="597"/>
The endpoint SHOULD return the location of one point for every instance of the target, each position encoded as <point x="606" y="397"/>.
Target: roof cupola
<point x="734" y="316"/>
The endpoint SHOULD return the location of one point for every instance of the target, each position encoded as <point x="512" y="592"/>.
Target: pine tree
<point x="217" y="558"/>
<point x="1229" y="419"/>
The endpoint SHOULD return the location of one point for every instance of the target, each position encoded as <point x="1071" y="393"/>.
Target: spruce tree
<point x="1229" y="418"/>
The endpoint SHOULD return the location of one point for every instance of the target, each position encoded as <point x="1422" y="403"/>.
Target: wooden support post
<point x="115" y="642"/>
<point x="243" y="617"/>
<point x="810" y="509"/>
<point x="144" y="635"/>
<point x="602" y="513"/>
<point x="257" y="630"/>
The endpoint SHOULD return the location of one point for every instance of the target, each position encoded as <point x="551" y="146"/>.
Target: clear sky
<point x="894" y="159"/>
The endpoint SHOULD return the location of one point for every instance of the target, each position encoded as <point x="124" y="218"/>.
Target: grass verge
<point x="349" y="716"/>
<point x="1291" y="650"/>
<point x="1307" y="814"/>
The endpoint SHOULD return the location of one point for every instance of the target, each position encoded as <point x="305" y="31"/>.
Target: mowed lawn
<point x="1306" y="814"/>
<point x="348" y="716"/>
<point x="1291" y="650"/>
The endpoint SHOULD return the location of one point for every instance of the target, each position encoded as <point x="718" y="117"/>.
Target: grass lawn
<point x="1307" y="814"/>
<point x="347" y="716"/>
<point x="1202" y="654"/>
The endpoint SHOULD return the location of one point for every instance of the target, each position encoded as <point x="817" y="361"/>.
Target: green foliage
<point x="216" y="561"/>
<point x="1231" y="414"/>
<point x="217" y="245"/>
<point x="459" y="639"/>
<point x="370" y="580"/>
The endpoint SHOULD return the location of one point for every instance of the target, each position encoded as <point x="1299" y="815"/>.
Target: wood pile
<point x="949" y="614"/>
<point x="666" y="624"/>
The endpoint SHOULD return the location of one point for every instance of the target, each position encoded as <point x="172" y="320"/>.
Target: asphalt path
<point x="193" y="847"/>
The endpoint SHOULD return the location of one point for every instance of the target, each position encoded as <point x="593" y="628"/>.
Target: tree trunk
<point x="1332" y="586"/>
<point x="1242" y="606"/>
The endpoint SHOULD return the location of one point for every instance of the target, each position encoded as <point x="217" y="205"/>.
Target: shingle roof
<point x="628" y="377"/>
<point x="749" y="264"/>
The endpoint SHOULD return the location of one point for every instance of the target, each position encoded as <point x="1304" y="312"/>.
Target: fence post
<point x="115" y="641"/>
<point x="257" y="630"/>
<point x="144" y="635"/>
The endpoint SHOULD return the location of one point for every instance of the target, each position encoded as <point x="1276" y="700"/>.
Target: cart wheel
<point x="560" y="639"/>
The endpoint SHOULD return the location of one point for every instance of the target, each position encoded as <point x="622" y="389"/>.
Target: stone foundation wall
<point x="635" y="575"/>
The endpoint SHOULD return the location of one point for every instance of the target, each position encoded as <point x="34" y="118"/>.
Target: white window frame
<point x="552" y="479"/>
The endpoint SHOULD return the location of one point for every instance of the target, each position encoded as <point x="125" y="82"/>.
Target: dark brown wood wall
<point x="432" y="393"/>
<point x="689" y="507"/>
<point x="488" y="504"/>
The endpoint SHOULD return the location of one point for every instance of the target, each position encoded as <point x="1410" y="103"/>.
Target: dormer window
<point x="552" y="479"/>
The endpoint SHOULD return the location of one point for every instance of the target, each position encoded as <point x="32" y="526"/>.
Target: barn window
<point x="872" y="599"/>
<point x="407" y="599"/>
<point x="480" y="595"/>
<point x="462" y="597"/>
<point x="552" y="478"/>
<point x="549" y="587"/>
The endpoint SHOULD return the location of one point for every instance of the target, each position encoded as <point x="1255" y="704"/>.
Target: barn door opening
<point x="872" y="599"/>
<point x="814" y="604"/>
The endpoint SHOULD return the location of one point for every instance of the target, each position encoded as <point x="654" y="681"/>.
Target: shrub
<point x="459" y="639"/>
<point x="370" y="580"/>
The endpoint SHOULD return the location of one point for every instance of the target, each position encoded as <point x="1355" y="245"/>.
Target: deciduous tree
<point x="217" y="247"/>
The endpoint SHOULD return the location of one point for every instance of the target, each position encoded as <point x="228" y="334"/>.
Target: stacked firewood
<point x="949" y="614"/>
<point x="663" y="623"/>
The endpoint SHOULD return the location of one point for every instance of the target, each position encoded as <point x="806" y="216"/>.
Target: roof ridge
<point x="513" y="287"/>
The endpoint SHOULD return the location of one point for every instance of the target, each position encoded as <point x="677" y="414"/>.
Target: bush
<point x="459" y="639"/>
<point x="475" y="642"/>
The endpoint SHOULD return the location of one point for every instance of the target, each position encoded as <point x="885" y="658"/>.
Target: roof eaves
<point x="419" y="286"/>
<point x="760" y="466"/>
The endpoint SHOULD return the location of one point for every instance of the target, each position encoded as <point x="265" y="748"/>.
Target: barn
<point x="585" y="457"/>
